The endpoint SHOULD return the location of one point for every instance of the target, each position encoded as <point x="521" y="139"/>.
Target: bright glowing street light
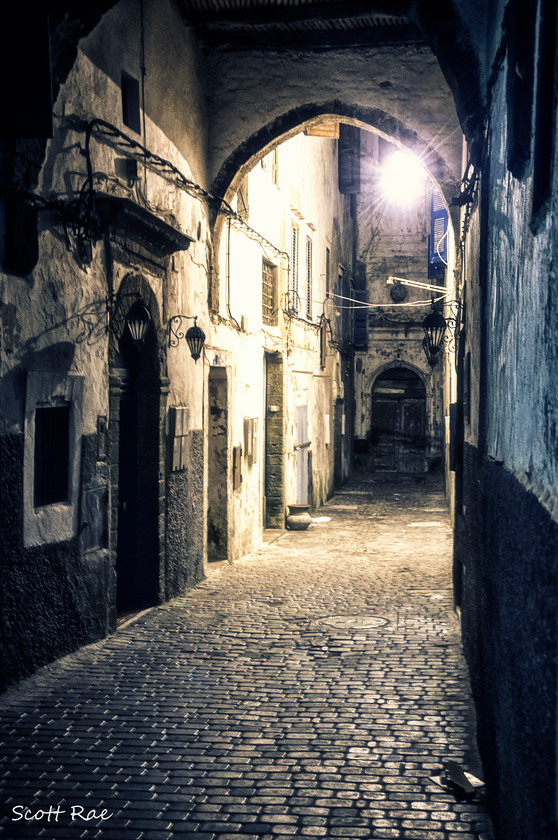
<point x="402" y="180"/>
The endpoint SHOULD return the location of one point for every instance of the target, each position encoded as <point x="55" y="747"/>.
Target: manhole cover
<point x="353" y="622"/>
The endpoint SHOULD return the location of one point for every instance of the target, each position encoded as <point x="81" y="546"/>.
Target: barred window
<point x="269" y="293"/>
<point x="308" y="277"/>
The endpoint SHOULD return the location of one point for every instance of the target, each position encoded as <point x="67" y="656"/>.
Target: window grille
<point x="308" y="277"/>
<point x="328" y="269"/>
<point x="52" y="455"/>
<point x="269" y="293"/>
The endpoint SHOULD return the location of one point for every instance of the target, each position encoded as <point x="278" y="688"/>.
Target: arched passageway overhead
<point x="452" y="30"/>
<point x="310" y="116"/>
<point x="258" y="97"/>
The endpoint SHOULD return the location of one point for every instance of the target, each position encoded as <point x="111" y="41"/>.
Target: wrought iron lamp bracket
<point x="177" y="331"/>
<point x="454" y="324"/>
<point x="194" y="336"/>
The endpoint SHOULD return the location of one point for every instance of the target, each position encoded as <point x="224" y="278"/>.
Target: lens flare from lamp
<point x="403" y="178"/>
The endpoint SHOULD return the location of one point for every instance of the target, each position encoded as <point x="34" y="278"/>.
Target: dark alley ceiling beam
<point x="257" y="39"/>
<point x="217" y="12"/>
<point x="303" y="25"/>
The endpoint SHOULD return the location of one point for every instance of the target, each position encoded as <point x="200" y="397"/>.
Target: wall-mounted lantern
<point x="138" y="320"/>
<point x="434" y="326"/>
<point x="194" y="337"/>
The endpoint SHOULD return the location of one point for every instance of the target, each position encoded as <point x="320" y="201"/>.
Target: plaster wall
<point x="305" y="194"/>
<point x="506" y="515"/>
<point x="56" y="324"/>
<point x="150" y="34"/>
<point x="521" y="407"/>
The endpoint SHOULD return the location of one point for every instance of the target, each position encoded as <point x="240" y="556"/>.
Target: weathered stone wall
<point x="53" y="600"/>
<point x="506" y="560"/>
<point x="62" y="321"/>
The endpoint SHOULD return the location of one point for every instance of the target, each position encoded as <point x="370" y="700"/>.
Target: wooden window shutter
<point x="438" y="241"/>
<point x="360" y="323"/>
<point x="349" y="159"/>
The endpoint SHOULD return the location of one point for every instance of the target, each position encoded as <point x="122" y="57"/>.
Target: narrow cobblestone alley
<point x="310" y="690"/>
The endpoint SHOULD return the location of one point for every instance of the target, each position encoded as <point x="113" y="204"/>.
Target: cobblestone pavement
<point x="309" y="690"/>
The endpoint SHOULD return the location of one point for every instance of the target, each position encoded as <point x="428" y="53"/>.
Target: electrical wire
<point x="439" y="244"/>
<point x="107" y="132"/>
<point x="363" y="305"/>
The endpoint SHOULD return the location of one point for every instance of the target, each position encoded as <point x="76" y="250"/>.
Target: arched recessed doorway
<point x="137" y="544"/>
<point x="398" y="429"/>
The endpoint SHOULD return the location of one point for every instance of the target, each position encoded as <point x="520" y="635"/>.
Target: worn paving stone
<point x="308" y="690"/>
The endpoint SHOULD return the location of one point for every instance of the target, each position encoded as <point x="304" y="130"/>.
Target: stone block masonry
<point x="309" y="690"/>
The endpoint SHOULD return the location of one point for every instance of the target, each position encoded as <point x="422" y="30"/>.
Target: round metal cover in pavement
<point x="353" y="622"/>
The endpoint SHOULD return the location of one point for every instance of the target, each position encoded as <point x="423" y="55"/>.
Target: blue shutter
<point x="438" y="241"/>
<point x="360" y="320"/>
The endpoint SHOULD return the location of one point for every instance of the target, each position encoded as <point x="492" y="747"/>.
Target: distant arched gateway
<point x="398" y="431"/>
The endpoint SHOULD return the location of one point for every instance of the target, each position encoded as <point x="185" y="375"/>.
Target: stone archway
<point x="241" y="161"/>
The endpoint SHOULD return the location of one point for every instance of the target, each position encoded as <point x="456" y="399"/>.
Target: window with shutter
<point x="360" y="320"/>
<point x="269" y="293"/>
<point x="339" y="301"/>
<point x="308" y="277"/>
<point x="438" y="240"/>
<point x="294" y="268"/>
<point x="349" y="159"/>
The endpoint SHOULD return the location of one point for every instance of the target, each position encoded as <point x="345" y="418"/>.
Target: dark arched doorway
<point x="137" y="545"/>
<point x="398" y="430"/>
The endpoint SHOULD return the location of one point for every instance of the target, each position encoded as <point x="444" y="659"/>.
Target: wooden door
<point x="301" y="454"/>
<point x="398" y="432"/>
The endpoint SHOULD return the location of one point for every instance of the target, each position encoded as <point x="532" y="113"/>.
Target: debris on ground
<point x="458" y="781"/>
